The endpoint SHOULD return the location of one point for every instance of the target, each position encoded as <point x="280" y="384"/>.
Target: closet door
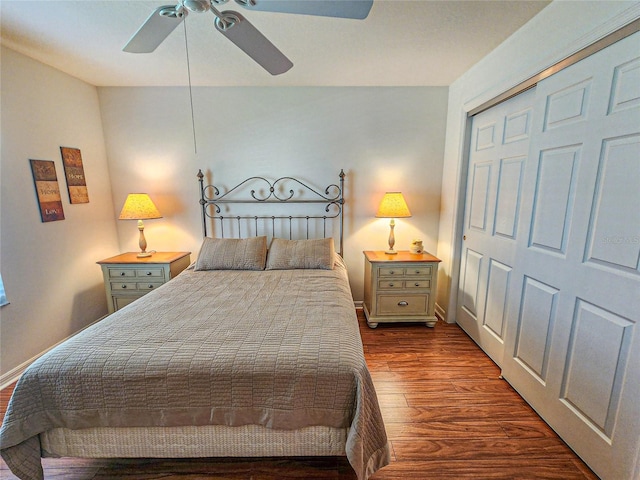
<point x="572" y="343"/>
<point x="498" y="154"/>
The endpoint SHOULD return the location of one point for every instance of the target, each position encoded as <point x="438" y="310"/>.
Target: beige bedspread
<point x="280" y="349"/>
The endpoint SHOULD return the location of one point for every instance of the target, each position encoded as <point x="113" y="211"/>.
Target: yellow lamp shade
<point x="138" y="206"/>
<point x="393" y="205"/>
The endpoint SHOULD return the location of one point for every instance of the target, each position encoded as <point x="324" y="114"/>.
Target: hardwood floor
<point x="447" y="415"/>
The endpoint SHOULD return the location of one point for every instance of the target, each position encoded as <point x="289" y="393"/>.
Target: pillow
<point x="232" y="254"/>
<point x="301" y="254"/>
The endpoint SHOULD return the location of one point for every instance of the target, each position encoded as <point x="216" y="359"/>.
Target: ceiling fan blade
<point x="157" y="27"/>
<point x="249" y="39"/>
<point x="358" y="9"/>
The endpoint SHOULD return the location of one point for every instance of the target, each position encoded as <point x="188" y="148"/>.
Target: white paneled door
<point x="498" y="152"/>
<point x="570" y="278"/>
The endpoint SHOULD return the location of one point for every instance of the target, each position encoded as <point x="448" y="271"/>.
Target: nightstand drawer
<point x="150" y="272"/>
<point x="148" y="286"/>
<point x="121" y="272"/>
<point x="120" y="286"/>
<point x="120" y="302"/>
<point x="390" y="272"/>
<point x="419" y="271"/>
<point x="403" y="304"/>
<point x="390" y="284"/>
<point x="417" y="283"/>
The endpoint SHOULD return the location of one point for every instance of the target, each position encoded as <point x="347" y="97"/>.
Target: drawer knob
<point x="124" y="286"/>
<point x="148" y="274"/>
<point x="122" y="274"/>
<point x="150" y="286"/>
<point x="391" y="284"/>
<point x="403" y="303"/>
<point x="417" y="284"/>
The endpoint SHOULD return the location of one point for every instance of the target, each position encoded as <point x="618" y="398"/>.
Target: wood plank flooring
<point x="447" y="414"/>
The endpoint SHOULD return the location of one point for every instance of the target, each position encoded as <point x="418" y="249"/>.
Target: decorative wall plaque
<point x="74" y="172"/>
<point x="46" y="182"/>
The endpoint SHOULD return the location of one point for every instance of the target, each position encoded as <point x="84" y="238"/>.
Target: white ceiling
<point x="401" y="43"/>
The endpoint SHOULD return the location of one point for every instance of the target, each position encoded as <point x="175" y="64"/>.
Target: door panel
<point x="597" y="363"/>
<point x="509" y="192"/>
<point x="535" y="326"/>
<point x="497" y="287"/>
<point x="553" y="198"/>
<point x="567" y="106"/>
<point x="613" y="243"/>
<point x="480" y="196"/>
<point x="470" y="281"/>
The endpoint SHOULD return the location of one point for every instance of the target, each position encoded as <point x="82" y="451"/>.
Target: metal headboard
<point x="325" y="208"/>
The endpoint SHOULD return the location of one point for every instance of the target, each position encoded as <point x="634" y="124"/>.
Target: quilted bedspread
<point x="279" y="349"/>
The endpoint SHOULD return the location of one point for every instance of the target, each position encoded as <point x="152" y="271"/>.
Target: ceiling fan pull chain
<point x="193" y="119"/>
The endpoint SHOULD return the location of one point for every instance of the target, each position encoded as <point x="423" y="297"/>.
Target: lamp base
<point x="144" y="254"/>
<point x="390" y="252"/>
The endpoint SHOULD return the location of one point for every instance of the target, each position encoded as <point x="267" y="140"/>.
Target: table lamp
<point x="393" y="206"/>
<point x="138" y="206"/>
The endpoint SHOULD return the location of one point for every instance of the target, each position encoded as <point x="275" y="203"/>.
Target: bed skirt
<point x="193" y="442"/>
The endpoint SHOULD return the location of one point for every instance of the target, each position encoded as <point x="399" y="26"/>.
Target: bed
<point x="251" y="351"/>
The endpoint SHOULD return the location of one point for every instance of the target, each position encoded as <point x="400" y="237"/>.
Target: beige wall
<point x="558" y="31"/>
<point x="383" y="138"/>
<point x="49" y="271"/>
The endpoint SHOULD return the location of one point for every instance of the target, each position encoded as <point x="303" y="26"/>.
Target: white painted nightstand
<point x="400" y="287"/>
<point x="127" y="277"/>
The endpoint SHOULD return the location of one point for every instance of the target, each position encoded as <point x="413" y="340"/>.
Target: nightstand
<point x="400" y="287"/>
<point x="127" y="277"/>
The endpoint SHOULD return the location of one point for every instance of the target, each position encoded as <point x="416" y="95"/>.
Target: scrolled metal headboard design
<point x="284" y="190"/>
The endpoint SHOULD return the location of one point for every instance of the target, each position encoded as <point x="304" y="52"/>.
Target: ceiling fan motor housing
<point x="197" y="6"/>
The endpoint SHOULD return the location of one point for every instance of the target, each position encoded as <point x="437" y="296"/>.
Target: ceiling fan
<point x="237" y="28"/>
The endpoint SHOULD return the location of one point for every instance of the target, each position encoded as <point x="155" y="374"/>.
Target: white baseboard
<point x="15" y="373"/>
<point x="441" y="313"/>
